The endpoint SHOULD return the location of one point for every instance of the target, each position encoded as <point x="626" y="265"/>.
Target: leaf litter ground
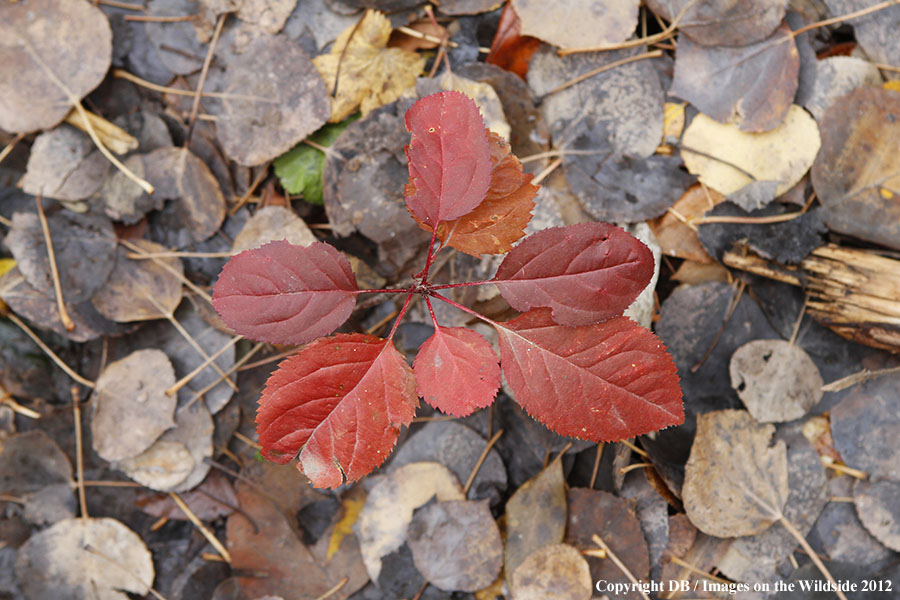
<point x="147" y="473"/>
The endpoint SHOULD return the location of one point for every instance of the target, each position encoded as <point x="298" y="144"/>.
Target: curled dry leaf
<point x="368" y="73"/>
<point x="272" y="223"/>
<point x="449" y="157"/>
<point x="556" y="571"/>
<point x="340" y="402"/>
<point x="457" y="371"/>
<point x="535" y="516"/>
<point x="585" y="273"/>
<point x="510" y="49"/>
<point x="286" y="294"/>
<point x="753" y="85"/>
<point x="625" y="386"/>
<point x="85" y="558"/>
<point x="735" y="482"/>
<point x="776" y="380"/>
<point x="140" y="290"/>
<point x="456" y="545"/>
<point x="65" y="165"/>
<point x="732" y="158"/>
<point x="579" y="23"/>
<point x="500" y="220"/>
<point x="278" y="99"/>
<point x="857" y="174"/>
<point x="384" y="519"/>
<point x="878" y="510"/>
<point x="723" y="22"/>
<point x="84" y="245"/>
<point x="54" y="52"/>
<point x="131" y="397"/>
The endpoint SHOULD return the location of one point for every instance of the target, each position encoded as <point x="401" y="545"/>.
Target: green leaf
<point x="300" y="169"/>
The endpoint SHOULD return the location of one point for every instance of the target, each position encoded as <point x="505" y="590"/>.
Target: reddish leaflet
<point x="571" y="360"/>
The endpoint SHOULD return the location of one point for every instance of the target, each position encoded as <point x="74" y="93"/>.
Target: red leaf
<point x="342" y="400"/>
<point x="603" y="382"/>
<point x="457" y="371"/>
<point x="500" y="220"/>
<point x="286" y="294"/>
<point x="586" y="273"/>
<point x="449" y="157"/>
<point x="510" y="50"/>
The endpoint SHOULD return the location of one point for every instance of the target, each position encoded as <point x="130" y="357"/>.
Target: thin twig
<point x="796" y="330"/>
<point x="684" y="564"/>
<point x="813" y="556"/>
<point x="54" y="271"/>
<point x="149" y="586"/>
<point x="9" y="147"/>
<point x="178" y="254"/>
<point x="161" y="18"/>
<point x="260" y="176"/>
<point x="596" y="465"/>
<point x="195" y="108"/>
<point x="220" y="548"/>
<point x="335" y="589"/>
<point x="125" y="5"/>
<point x="123" y="74"/>
<point x="636" y="449"/>
<point x="850" y="380"/>
<point x="480" y="461"/>
<point x="546" y="172"/>
<point x="9" y="401"/>
<point x="423" y="36"/>
<point x="234" y="368"/>
<point x="247" y="440"/>
<point x="56" y="359"/>
<point x="612" y="556"/>
<point x="187" y="378"/>
<point x="847" y="17"/>
<point x="79" y="451"/>
<point x="169" y="268"/>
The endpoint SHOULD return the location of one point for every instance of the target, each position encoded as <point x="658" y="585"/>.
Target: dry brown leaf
<point x="140" y="290"/>
<point x="381" y="527"/>
<point x="48" y="47"/>
<point x="535" y="516"/>
<point x="878" y="510"/>
<point x="273" y="223"/>
<point x="64" y="165"/>
<point x="578" y="23"/>
<point x="370" y="74"/>
<point x="776" y="380"/>
<point x="500" y="220"/>
<point x="857" y="174"/>
<point x="677" y="238"/>
<point x="730" y="156"/>
<point x="723" y="22"/>
<point x="557" y="571"/>
<point x="131" y="407"/>
<point x="85" y="558"/>
<point x="735" y="483"/>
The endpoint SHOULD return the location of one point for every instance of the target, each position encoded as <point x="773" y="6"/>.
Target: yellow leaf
<point x="673" y="124"/>
<point x="344" y="527"/>
<point x="726" y="158"/>
<point x="6" y="265"/>
<point x="893" y="85"/>
<point x="369" y="74"/>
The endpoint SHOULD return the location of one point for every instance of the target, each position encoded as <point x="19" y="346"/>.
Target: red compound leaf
<point x="602" y="382"/>
<point x="342" y="400"/>
<point x="449" y="157"/>
<point x="286" y="294"/>
<point x="586" y="273"/>
<point x="457" y="371"/>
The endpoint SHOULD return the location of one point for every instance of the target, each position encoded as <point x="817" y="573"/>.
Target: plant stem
<point x="386" y="291"/>
<point x="431" y="255"/>
<point x="400" y="316"/>
<point x="465" y="309"/>
<point x="447" y="286"/>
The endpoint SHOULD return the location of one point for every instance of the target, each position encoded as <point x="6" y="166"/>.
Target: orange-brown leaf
<point x="500" y="220"/>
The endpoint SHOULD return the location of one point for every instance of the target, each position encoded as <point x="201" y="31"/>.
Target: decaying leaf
<point x="456" y="545"/>
<point x="876" y="505"/>
<point x="382" y="524"/>
<point x="555" y="571"/>
<point x="370" y="75"/>
<point x="735" y="483"/>
<point x="857" y="174"/>
<point x="871" y="412"/>
<point x="753" y="85"/>
<point x="272" y="223"/>
<point x="278" y="99"/>
<point x="776" y="380"/>
<point x="213" y="499"/>
<point x="579" y="23"/>
<point x="675" y="235"/>
<point x="124" y="201"/>
<point x="535" y="516"/>
<point x="53" y="53"/>
<point x="723" y="22"/>
<point x="85" y="558"/>
<point x="732" y="158"/>
<point x="875" y="32"/>
<point x="837" y="76"/>
<point x="139" y="290"/>
<point x="65" y="165"/>
<point x="175" y="43"/>
<point x="84" y="245"/>
<point x="510" y="49"/>
<point x="131" y="398"/>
